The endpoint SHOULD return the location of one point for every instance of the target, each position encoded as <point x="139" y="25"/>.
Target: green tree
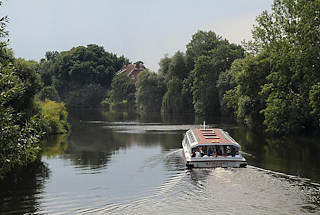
<point x="78" y="68"/>
<point x="20" y="120"/>
<point x="50" y="93"/>
<point x="164" y="65"/>
<point x="177" y="67"/>
<point x="290" y="37"/>
<point x="249" y="75"/>
<point x="200" y="45"/>
<point x="27" y="72"/>
<point x="150" y="90"/>
<point x="172" y="101"/>
<point x="123" y="90"/>
<point x="314" y="97"/>
<point x="205" y="94"/>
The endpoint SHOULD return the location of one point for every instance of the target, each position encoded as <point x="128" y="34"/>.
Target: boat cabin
<point x="211" y="143"/>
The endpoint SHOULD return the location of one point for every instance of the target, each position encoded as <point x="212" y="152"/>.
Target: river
<point x="120" y="165"/>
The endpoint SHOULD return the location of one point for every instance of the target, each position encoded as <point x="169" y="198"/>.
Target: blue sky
<point x="140" y="30"/>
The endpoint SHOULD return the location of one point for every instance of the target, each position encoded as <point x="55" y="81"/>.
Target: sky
<point x="143" y="30"/>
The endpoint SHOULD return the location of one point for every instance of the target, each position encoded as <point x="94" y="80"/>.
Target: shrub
<point x="53" y="117"/>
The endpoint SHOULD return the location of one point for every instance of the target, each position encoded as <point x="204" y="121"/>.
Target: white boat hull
<point x="214" y="163"/>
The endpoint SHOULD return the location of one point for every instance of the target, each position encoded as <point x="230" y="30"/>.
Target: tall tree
<point x="164" y="65"/>
<point x="177" y="67"/>
<point x="19" y="135"/>
<point x="122" y="88"/>
<point x="205" y="94"/>
<point x="150" y="90"/>
<point x="245" y="99"/>
<point x="290" y="36"/>
<point x="172" y="102"/>
<point x="200" y="45"/>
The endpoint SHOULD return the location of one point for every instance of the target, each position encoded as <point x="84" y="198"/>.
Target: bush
<point x="53" y="117"/>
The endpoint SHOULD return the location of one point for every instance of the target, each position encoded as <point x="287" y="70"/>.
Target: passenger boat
<point x="211" y="148"/>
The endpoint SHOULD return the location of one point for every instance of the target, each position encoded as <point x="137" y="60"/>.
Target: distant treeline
<point x="79" y="77"/>
<point x="271" y="82"/>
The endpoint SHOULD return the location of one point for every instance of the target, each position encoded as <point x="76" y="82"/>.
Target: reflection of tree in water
<point x="92" y="145"/>
<point x="296" y="155"/>
<point x="20" y="193"/>
<point x="55" y="145"/>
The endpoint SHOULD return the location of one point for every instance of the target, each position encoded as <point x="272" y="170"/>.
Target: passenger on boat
<point x="198" y="154"/>
<point x="215" y="151"/>
<point x="233" y="151"/>
<point x="219" y="151"/>
<point x="201" y="151"/>
<point x="209" y="152"/>
<point x="193" y="153"/>
<point x="228" y="151"/>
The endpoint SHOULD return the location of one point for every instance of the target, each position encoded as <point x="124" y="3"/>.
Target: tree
<point x="201" y="43"/>
<point x="122" y="88"/>
<point x="172" y="102"/>
<point x="290" y="37"/>
<point x="314" y="98"/>
<point x="78" y="68"/>
<point x="177" y="67"/>
<point x="164" y="65"/>
<point x="204" y="91"/>
<point x="248" y="74"/>
<point x="150" y="90"/>
<point x="27" y="72"/>
<point x="50" y="93"/>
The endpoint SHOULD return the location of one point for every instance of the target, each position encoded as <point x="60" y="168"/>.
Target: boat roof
<point x="210" y="136"/>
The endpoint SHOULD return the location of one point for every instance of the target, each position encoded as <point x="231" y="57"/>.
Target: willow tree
<point x="150" y="90"/>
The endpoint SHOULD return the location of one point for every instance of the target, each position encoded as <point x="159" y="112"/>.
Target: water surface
<point x="131" y="166"/>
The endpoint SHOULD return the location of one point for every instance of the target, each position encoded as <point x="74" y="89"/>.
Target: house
<point x="132" y="70"/>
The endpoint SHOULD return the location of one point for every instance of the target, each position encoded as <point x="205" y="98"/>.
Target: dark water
<point x="118" y="165"/>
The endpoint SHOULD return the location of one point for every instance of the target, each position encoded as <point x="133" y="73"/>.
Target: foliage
<point x="314" y="97"/>
<point x="27" y="72"/>
<point x="175" y="71"/>
<point x="21" y="123"/>
<point x="164" y="65"/>
<point x="122" y="106"/>
<point x="200" y="45"/>
<point x="172" y="102"/>
<point x="19" y="136"/>
<point x="292" y="41"/>
<point x="80" y="68"/>
<point x="204" y="91"/>
<point x="122" y="89"/>
<point x="53" y="117"/>
<point x="249" y="74"/>
<point x="49" y="92"/>
<point x="177" y="67"/>
<point x="88" y="96"/>
<point x="150" y="90"/>
<point x="278" y="85"/>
